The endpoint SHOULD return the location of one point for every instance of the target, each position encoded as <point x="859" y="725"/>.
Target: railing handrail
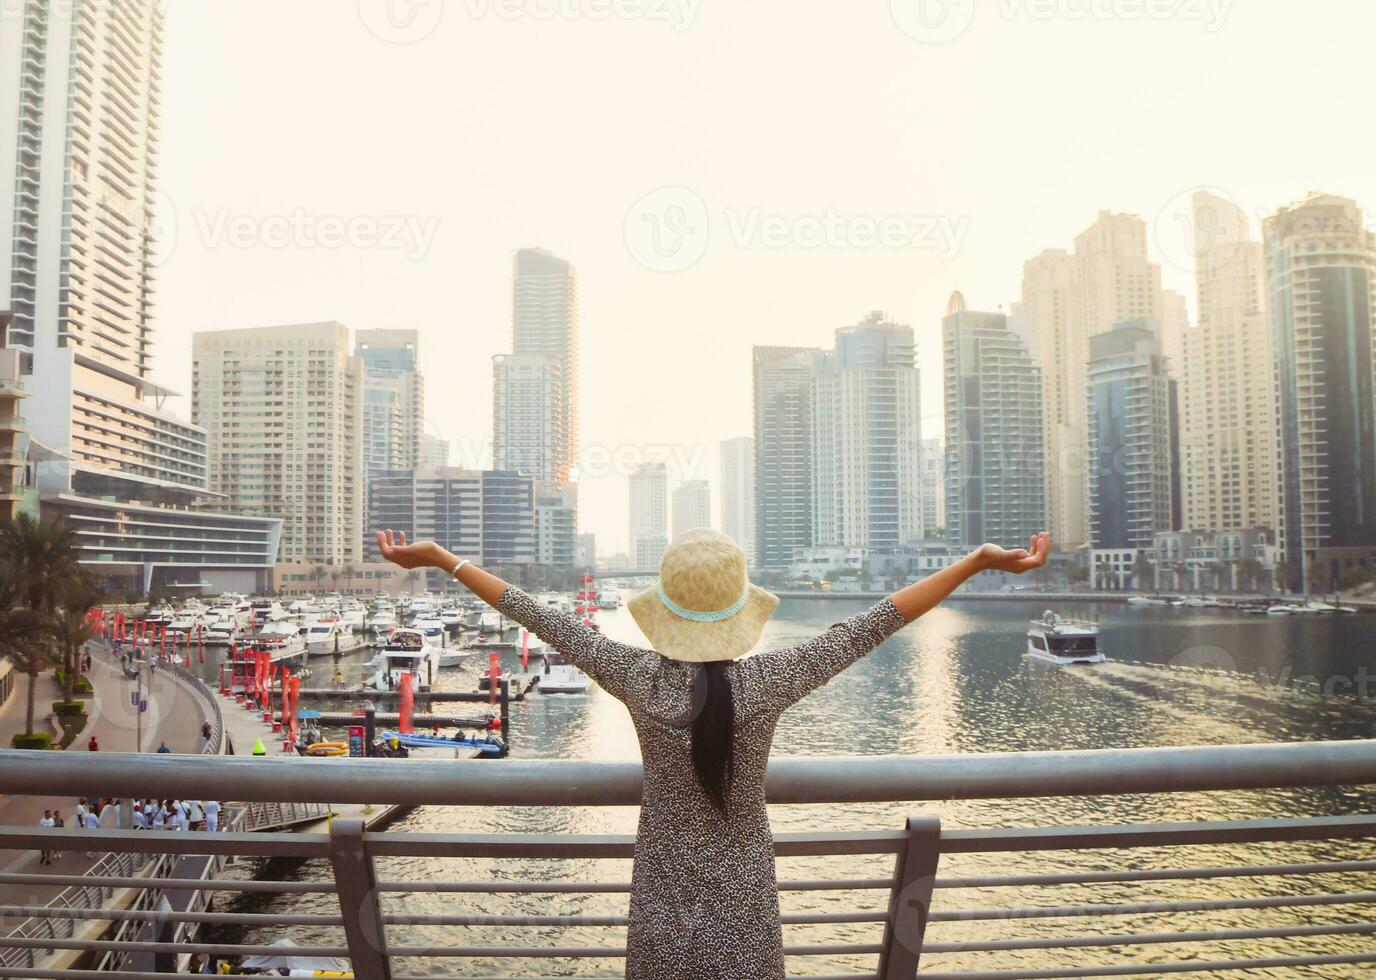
<point x="831" y="779"/>
<point x="212" y="703"/>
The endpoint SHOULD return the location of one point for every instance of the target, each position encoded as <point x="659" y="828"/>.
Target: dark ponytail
<point x="714" y="733"/>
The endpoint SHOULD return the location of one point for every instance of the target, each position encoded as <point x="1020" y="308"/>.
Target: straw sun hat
<point x="703" y="607"/>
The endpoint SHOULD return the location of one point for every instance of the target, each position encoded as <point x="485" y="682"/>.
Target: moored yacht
<point x="405" y="652"/>
<point x="1064" y="642"/>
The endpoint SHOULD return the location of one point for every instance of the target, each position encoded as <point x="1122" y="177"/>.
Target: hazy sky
<point x="804" y="162"/>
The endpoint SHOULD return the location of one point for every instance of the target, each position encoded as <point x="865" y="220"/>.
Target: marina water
<point x="954" y="682"/>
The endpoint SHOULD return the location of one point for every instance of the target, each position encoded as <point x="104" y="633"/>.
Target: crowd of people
<point x="104" y="814"/>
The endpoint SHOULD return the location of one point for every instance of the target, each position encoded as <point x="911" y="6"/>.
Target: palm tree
<point x="36" y="559"/>
<point x="1142" y="569"/>
<point x="412" y="577"/>
<point x="70" y="629"/>
<point x="334" y="578"/>
<point x="21" y="640"/>
<point x="1249" y="570"/>
<point x="349" y="572"/>
<point x="319" y="573"/>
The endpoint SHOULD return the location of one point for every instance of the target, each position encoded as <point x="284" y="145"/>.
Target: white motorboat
<point x="282" y="640"/>
<point x="161" y="613"/>
<point x="325" y="637"/>
<point x="383" y="620"/>
<point x="405" y="652"/>
<point x="609" y="598"/>
<point x="1063" y="642"/>
<point x="421" y="605"/>
<point x="184" y="624"/>
<point x="562" y="677"/>
<point x="433" y="629"/>
<point x="491" y="621"/>
<point x="451" y="616"/>
<point x="1279" y="609"/>
<point x="1148" y="600"/>
<point x="220" y="633"/>
<point x="352" y="615"/>
<point x="454" y="656"/>
<point x="266" y="611"/>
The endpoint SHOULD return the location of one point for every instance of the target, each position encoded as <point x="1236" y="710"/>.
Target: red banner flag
<point x="407" y="703"/>
<point x="525" y="648"/>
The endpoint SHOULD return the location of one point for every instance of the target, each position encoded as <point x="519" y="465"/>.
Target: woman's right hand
<point x="422" y="554"/>
<point x="1016" y="560"/>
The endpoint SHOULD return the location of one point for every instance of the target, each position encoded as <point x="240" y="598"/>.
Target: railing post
<point x="356" y="884"/>
<point x="910" y="900"/>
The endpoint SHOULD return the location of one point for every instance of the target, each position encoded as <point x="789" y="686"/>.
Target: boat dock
<point x="518" y="693"/>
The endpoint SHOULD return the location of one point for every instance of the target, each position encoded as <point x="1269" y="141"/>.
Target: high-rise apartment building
<point x="783" y="389"/>
<point x="866" y="439"/>
<point x="1320" y="275"/>
<point x="79" y="103"/>
<point x="692" y="506"/>
<point x="994" y="456"/>
<point x="1051" y="304"/>
<point x="738" y="493"/>
<point x="1116" y="280"/>
<point x="283" y="407"/>
<point x="933" y="487"/>
<point x="544" y="324"/>
<point x="488" y="516"/>
<point x="1228" y="436"/>
<point x="649" y="517"/>
<point x="1129" y="438"/>
<point x="392" y="376"/>
<point x="527" y="395"/>
<point x="434" y="452"/>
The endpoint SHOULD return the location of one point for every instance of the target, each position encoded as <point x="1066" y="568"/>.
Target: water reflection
<point x="956" y="682"/>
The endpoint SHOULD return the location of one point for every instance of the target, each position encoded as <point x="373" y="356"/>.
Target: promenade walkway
<point x="174" y="714"/>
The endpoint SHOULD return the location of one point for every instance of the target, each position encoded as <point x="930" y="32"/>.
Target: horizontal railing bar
<point x="154" y="915"/>
<point x="1151" y="938"/>
<point x="594" y="952"/>
<point x="556" y="782"/>
<point x="1142" y="969"/>
<point x="1163" y="874"/>
<point x="576" y="921"/>
<point x="170" y="884"/>
<point x="1148" y="908"/>
<point x="565" y="887"/>
<point x="254" y="844"/>
<point x="1155" y="834"/>
<point x="141" y="946"/>
<point x="605" y="976"/>
<point x="608" y="845"/>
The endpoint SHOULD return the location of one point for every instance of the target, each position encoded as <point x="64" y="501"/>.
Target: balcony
<point x="934" y="878"/>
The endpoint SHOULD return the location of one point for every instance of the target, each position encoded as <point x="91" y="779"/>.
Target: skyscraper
<point x="1051" y="303"/>
<point x="933" y="487"/>
<point x="1228" y="437"/>
<point x="391" y="372"/>
<point x="692" y="506"/>
<point x="1129" y="437"/>
<point x="527" y="392"/>
<point x="545" y="324"/>
<point x="1116" y="280"/>
<point x="78" y="150"/>
<point x="866" y="439"/>
<point x="649" y="518"/>
<point x="738" y="493"/>
<point x="1320" y="266"/>
<point x="283" y="409"/>
<point x="783" y="391"/>
<point x="994" y="457"/>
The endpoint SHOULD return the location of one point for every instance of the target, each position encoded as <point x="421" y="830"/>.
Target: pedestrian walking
<point x="183" y="815"/>
<point x="195" y="814"/>
<point x="138" y="818"/>
<point x="58" y="822"/>
<point x="212" y="816"/>
<point x="93" y="745"/>
<point x="44" y="855"/>
<point x="92" y="822"/>
<point x="162" y="748"/>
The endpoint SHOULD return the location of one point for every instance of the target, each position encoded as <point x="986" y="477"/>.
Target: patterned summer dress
<point x="703" y="897"/>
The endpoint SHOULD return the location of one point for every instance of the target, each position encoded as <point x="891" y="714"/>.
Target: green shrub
<point x="72" y="726"/>
<point x="38" y="740"/>
<point x="83" y="683"/>
<point x="64" y="708"/>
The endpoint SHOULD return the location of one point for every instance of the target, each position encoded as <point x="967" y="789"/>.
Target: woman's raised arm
<point x="427" y="554"/>
<point x="920" y="597"/>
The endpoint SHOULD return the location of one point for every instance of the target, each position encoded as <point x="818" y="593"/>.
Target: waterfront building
<point x="585" y="550"/>
<point x="995" y="489"/>
<point x="13" y="438"/>
<point x="692" y="506"/>
<point x="391" y="367"/>
<point x="866" y="439"/>
<point x="1232" y="560"/>
<point x="556" y="525"/>
<point x="1320" y="274"/>
<point x="434" y="451"/>
<point x="78" y="150"/>
<point x="527" y="395"/>
<point x="783" y="391"/>
<point x="1129" y="443"/>
<point x="738" y="493"/>
<point x="1228" y="423"/>
<point x="649" y="518"/>
<point x="283" y="409"/>
<point x="487" y="516"/>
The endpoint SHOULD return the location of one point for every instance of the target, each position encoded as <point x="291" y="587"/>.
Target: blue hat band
<point x="695" y="616"/>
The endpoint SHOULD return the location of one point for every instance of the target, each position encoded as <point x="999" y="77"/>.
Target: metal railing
<point x="1313" y="901"/>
